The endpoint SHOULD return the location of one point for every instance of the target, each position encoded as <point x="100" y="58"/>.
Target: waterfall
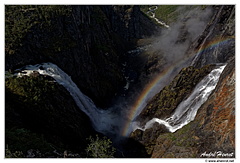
<point x="101" y="119"/>
<point x="187" y="109"/>
<point x="109" y="121"/>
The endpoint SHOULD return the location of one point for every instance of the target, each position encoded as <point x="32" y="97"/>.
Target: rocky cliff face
<point x="212" y="131"/>
<point x="38" y="107"/>
<point x="217" y="43"/>
<point x="129" y="22"/>
<point x="163" y="104"/>
<point x="214" y="125"/>
<point x="86" y="42"/>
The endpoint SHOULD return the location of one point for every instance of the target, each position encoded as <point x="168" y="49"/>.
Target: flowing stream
<point x="153" y="16"/>
<point x="105" y="121"/>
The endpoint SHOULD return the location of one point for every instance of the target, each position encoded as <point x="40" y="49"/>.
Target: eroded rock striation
<point x="212" y="131"/>
<point x="163" y="104"/>
<point x="85" y="41"/>
<point x="217" y="43"/>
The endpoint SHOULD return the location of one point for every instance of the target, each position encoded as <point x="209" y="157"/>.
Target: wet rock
<point x="213" y="129"/>
<point x="217" y="43"/>
<point x="163" y="104"/>
<point x="34" y="74"/>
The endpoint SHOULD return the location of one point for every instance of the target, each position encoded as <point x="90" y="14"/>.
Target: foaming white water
<point x="187" y="109"/>
<point x="108" y="121"/>
<point x="102" y="120"/>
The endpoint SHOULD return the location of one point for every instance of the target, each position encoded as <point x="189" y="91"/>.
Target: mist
<point x="171" y="47"/>
<point x="173" y="42"/>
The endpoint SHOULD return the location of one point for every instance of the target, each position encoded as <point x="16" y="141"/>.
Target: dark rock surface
<point x="38" y="105"/>
<point x="217" y="43"/>
<point x="163" y="104"/>
<point x="197" y="137"/>
<point x="87" y="43"/>
<point x="213" y="129"/>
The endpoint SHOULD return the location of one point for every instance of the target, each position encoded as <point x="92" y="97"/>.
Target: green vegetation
<point x="42" y="117"/>
<point x="100" y="148"/>
<point x="19" y="19"/>
<point x="166" y="13"/>
<point x="144" y="8"/>
<point x="39" y="117"/>
<point x="170" y="96"/>
<point x="24" y="98"/>
<point x="16" y="154"/>
<point x="21" y="140"/>
<point x="164" y="103"/>
<point x="203" y="7"/>
<point x="170" y="13"/>
<point x="30" y="89"/>
<point x="181" y="137"/>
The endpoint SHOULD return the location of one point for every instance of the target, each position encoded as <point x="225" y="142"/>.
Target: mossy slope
<point x="41" y="115"/>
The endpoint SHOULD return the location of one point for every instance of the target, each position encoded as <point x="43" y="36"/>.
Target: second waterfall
<point x="109" y="121"/>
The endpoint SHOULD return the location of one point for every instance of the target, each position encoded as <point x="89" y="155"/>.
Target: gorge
<point x="81" y="71"/>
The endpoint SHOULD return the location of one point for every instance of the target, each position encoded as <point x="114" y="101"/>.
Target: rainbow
<point x="140" y="103"/>
<point x="213" y="44"/>
<point x="217" y="42"/>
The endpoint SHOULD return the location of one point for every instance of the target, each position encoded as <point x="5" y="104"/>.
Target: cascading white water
<point x="101" y="119"/>
<point x="187" y="109"/>
<point x="108" y="121"/>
